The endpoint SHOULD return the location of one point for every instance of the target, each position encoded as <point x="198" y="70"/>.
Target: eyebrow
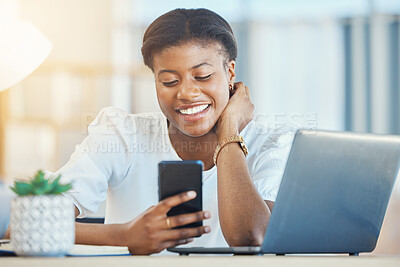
<point x="192" y="68"/>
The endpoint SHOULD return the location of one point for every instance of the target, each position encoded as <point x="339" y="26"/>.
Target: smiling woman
<point x="192" y="84"/>
<point x="206" y="116"/>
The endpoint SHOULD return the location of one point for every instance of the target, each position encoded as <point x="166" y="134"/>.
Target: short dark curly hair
<point x="180" y="26"/>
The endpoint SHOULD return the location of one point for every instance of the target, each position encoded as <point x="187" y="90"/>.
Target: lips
<point x="194" y="112"/>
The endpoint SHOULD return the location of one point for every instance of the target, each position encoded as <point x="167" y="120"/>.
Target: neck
<point x="194" y="148"/>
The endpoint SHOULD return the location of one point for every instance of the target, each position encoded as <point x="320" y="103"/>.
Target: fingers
<point x="239" y="86"/>
<point x="183" y="233"/>
<point x="184" y="219"/>
<point x="171" y="244"/>
<point x="165" y="205"/>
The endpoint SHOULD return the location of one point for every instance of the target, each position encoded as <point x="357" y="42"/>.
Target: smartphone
<point x="176" y="177"/>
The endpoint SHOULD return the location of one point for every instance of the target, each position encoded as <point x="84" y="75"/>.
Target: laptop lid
<point x="334" y="193"/>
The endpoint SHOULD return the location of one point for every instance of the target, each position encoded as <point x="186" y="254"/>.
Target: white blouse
<point x="119" y="161"/>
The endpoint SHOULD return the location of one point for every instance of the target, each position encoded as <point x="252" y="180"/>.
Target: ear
<point x="231" y="72"/>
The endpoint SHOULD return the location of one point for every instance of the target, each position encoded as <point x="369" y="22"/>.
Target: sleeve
<point x="270" y="162"/>
<point x="102" y="159"/>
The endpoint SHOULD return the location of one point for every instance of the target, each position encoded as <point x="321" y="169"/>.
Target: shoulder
<point x="109" y="117"/>
<point x="269" y="147"/>
<point x="261" y="137"/>
<point x="112" y="119"/>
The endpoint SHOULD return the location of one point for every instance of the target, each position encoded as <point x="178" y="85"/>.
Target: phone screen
<point x="176" y="177"/>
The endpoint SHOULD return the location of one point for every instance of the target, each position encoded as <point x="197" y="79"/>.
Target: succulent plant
<point x="40" y="185"/>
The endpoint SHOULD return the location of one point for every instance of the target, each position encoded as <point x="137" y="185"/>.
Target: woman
<point x="192" y="55"/>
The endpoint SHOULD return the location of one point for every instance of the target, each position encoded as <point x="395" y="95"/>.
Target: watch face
<point x="243" y="146"/>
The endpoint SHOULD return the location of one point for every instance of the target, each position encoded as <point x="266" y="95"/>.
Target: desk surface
<point x="208" y="261"/>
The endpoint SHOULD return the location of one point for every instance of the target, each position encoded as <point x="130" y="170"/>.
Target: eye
<point x="169" y="84"/>
<point x="202" y="78"/>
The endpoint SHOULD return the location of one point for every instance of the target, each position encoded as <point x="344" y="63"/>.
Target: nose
<point x="188" y="91"/>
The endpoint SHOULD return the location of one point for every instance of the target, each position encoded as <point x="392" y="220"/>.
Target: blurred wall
<point x="80" y="30"/>
<point x="292" y="54"/>
<point x="47" y="114"/>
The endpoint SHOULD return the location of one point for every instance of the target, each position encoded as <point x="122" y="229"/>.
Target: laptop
<point x="333" y="196"/>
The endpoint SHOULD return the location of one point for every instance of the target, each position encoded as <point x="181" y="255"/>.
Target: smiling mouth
<point x="194" y="110"/>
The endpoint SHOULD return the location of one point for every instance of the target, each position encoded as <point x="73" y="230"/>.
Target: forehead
<point x="188" y="55"/>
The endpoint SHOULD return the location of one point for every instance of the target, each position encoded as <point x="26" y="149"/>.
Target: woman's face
<point x="192" y="83"/>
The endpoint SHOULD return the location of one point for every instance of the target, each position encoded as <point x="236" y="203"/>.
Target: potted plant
<point x="42" y="219"/>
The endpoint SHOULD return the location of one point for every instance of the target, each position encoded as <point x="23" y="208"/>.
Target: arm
<point x="98" y="234"/>
<point x="146" y="234"/>
<point x="243" y="214"/>
<point x="149" y="232"/>
<point x="7" y="236"/>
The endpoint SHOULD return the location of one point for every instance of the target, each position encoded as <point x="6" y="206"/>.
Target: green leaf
<point x="40" y="185"/>
<point x="39" y="180"/>
<point x="55" y="182"/>
<point x="43" y="188"/>
<point x="57" y="179"/>
<point x="22" y="188"/>
<point x="47" y="189"/>
<point x="54" y="185"/>
<point x="38" y="191"/>
<point x="60" y="188"/>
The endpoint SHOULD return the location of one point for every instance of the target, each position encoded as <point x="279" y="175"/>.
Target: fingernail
<point x="191" y="194"/>
<point x="207" y="215"/>
<point x="190" y="240"/>
<point x="207" y="229"/>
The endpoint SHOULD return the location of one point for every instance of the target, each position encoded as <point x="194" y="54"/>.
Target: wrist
<point x="120" y="232"/>
<point x="232" y="139"/>
<point x="226" y="128"/>
<point x="7" y="235"/>
<point x="98" y="234"/>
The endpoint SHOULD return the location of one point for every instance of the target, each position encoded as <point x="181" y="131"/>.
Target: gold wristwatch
<point x="232" y="139"/>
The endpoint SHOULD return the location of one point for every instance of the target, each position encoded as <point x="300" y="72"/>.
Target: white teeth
<point x="194" y="110"/>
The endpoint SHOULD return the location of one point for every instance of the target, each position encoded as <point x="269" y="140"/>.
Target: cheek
<point x="222" y="95"/>
<point x="163" y="99"/>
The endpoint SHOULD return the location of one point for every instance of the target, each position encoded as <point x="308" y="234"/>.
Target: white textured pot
<point x="42" y="225"/>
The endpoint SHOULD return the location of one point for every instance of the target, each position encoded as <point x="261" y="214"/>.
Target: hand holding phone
<point x="152" y="231"/>
<point x="175" y="177"/>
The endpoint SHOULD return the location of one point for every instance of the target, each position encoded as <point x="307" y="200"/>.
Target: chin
<point x="194" y="129"/>
<point x="195" y="132"/>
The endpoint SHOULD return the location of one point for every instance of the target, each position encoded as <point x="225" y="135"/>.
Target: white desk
<point x="208" y="261"/>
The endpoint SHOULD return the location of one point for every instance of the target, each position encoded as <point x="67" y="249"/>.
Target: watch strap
<point x="228" y="140"/>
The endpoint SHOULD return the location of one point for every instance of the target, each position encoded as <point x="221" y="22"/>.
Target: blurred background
<point x="332" y="64"/>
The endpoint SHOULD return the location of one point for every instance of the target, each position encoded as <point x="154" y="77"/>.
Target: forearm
<point x="7" y="236"/>
<point x="95" y="234"/>
<point x="243" y="214"/>
<point x="99" y="234"/>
